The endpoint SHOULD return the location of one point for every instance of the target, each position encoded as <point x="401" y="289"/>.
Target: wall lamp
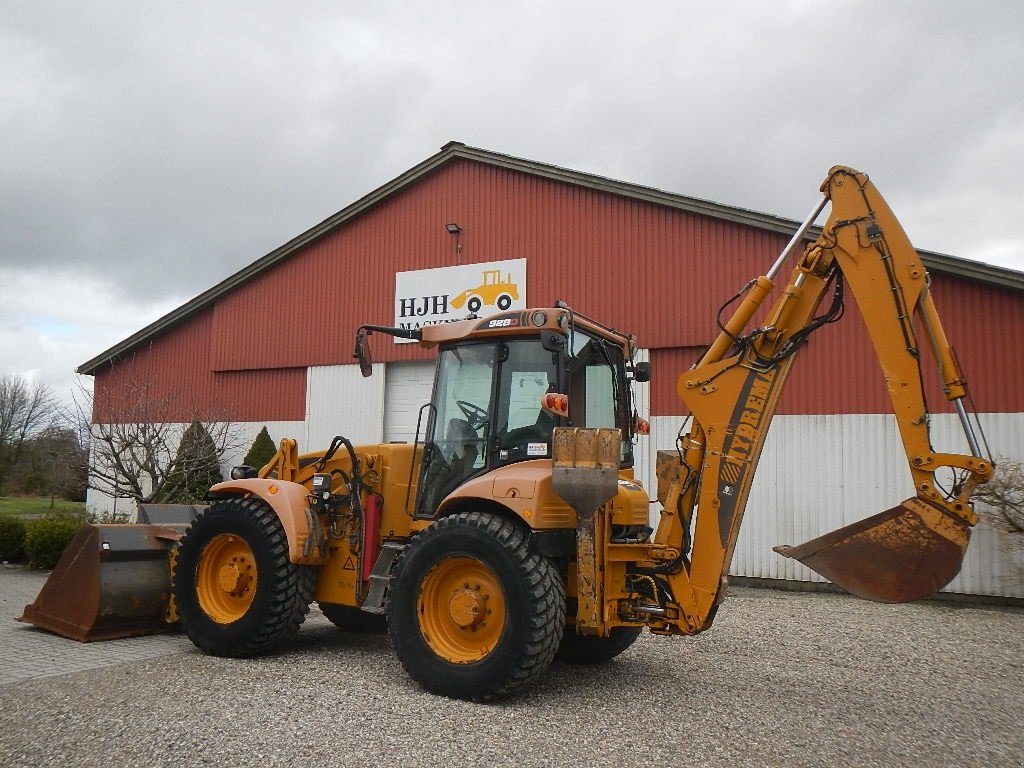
<point x="456" y="230"/>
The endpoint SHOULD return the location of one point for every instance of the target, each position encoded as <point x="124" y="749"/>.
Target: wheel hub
<point x="226" y="578"/>
<point x="232" y="580"/>
<point x="467" y="607"/>
<point x="461" y="609"/>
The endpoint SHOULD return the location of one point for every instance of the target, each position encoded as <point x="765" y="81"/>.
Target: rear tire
<point x="236" y="590"/>
<point x="472" y="613"/>
<point x="589" y="649"/>
<point x="352" y="619"/>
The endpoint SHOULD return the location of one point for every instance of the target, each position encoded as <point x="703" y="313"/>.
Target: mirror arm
<point x="401" y="333"/>
<point x="362" y="351"/>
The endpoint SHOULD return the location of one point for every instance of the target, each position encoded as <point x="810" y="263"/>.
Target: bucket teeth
<point x="902" y="554"/>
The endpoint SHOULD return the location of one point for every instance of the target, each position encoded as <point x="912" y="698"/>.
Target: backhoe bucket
<point x="112" y="581"/>
<point x="903" y="554"/>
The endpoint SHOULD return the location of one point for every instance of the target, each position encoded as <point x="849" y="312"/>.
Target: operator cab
<point x="486" y="407"/>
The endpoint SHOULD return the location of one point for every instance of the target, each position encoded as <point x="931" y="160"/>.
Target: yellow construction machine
<point x="512" y="530"/>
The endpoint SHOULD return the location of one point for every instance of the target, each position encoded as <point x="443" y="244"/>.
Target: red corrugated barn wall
<point x="655" y="271"/>
<point x="838" y="371"/>
<point x="171" y="379"/>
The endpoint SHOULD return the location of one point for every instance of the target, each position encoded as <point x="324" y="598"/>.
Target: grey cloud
<point x="160" y="148"/>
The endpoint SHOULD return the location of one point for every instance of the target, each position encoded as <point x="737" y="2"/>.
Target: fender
<point x="519" y="488"/>
<point x="525" y="489"/>
<point x="290" y="502"/>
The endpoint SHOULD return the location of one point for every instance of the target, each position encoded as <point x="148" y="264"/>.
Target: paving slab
<point x="29" y="652"/>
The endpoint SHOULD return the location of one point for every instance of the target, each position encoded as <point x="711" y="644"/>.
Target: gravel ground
<point x="781" y="679"/>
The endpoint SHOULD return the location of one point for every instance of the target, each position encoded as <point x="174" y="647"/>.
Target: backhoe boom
<point x="732" y="393"/>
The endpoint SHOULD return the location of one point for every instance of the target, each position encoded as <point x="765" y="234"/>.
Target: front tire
<point x="236" y="590"/>
<point x="472" y="613"/>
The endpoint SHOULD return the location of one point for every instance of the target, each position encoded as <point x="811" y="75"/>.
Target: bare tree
<point x="53" y="464"/>
<point x="1002" y="498"/>
<point x="26" y="409"/>
<point x="134" y="450"/>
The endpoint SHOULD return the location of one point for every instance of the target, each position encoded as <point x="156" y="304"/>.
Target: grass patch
<point x="31" y="506"/>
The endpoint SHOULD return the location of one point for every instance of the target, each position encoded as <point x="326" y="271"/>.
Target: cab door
<point x="459" y="424"/>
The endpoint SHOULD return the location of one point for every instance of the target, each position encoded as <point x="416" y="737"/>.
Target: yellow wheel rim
<point x="226" y="578"/>
<point x="461" y="609"/>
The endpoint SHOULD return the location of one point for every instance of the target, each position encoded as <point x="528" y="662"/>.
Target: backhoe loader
<point x="512" y="530"/>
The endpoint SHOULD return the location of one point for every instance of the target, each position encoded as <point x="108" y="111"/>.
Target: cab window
<point x="598" y="396"/>
<point x="526" y="373"/>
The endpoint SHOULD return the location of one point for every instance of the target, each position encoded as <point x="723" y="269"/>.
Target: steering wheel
<point x="476" y="415"/>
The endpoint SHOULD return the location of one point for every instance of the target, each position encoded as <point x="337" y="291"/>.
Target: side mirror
<point x="642" y="372"/>
<point x="362" y="352"/>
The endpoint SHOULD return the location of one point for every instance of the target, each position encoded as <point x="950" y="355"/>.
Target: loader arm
<point x="732" y="393"/>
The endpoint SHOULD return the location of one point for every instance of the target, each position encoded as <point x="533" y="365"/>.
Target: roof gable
<point x="456" y="151"/>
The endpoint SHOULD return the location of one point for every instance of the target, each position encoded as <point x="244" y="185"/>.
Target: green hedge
<point x="12" y="537"/>
<point x="47" y="538"/>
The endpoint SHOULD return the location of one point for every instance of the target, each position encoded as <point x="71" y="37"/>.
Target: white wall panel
<point x="407" y="389"/>
<point x="819" y="473"/>
<point x="339" y="401"/>
<point x="994" y="564"/>
<point x="99" y="503"/>
<point x="643" y="454"/>
<point x="247" y="432"/>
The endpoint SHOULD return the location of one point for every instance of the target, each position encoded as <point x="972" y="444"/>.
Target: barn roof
<point x="452" y="151"/>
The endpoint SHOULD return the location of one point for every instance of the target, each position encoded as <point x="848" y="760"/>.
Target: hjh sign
<point x="448" y="294"/>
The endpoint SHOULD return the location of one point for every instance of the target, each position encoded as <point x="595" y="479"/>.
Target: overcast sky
<point x="149" y="150"/>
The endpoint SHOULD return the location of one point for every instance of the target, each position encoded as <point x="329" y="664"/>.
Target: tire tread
<point x="545" y="598"/>
<point x="292" y="585"/>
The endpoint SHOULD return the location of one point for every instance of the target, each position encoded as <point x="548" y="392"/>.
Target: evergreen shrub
<point x="262" y="450"/>
<point x="47" y="537"/>
<point x="12" y="537"/>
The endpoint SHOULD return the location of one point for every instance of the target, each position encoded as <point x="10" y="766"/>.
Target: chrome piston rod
<point x="965" y="422"/>
<point x="797" y="238"/>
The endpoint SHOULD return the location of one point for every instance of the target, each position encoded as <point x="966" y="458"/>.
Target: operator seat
<point x="463" y="444"/>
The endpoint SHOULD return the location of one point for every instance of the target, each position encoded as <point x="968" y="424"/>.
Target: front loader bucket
<point x="112" y="581"/>
<point x="903" y="554"/>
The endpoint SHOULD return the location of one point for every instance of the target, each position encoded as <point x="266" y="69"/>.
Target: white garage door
<point x="407" y="388"/>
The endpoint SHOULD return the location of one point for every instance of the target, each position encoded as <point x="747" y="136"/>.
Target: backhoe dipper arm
<point x="732" y="392"/>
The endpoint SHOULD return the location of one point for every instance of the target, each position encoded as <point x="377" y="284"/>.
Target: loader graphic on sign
<point x="493" y="290"/>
